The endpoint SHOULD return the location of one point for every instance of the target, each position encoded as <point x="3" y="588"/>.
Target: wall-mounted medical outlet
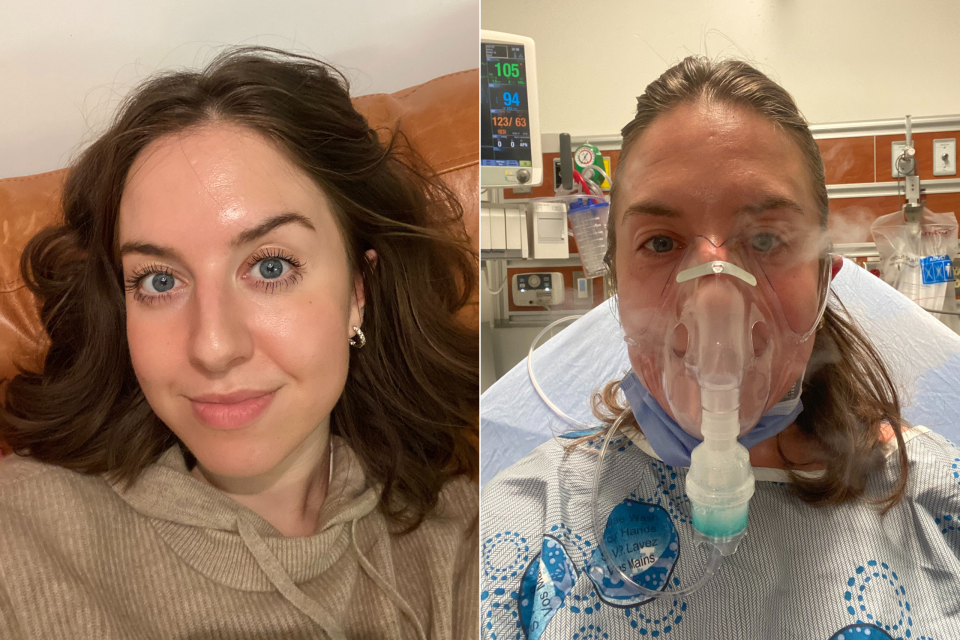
<point x="945" y="157"/>
<point x="537" y="289"/>
<point x="905" y="166"/>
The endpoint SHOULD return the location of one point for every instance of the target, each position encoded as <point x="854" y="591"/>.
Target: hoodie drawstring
<point x="284" y="584"/>
<point x="385" y="586"/>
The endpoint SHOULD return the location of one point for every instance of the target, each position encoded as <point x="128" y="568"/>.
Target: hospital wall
<point x="65" y="65"/>
<point x="842" y="61"/>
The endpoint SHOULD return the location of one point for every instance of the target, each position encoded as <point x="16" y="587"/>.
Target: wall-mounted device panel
<point x="899" y="166"/>
<point x="945" y="157"/>
<point x="503" y="231"/>
<point x="547" y="229"/>
<point x="510" y="153"/>
<point x="537" y="289"/>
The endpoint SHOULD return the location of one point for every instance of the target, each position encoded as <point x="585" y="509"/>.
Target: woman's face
<point x="719" y="172"/>
<point x="240" y="299"/>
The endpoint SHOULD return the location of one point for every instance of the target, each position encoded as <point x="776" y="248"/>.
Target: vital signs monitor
<point x="509" y="116"/>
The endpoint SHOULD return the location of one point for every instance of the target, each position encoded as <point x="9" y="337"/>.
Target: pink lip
<point x="233" y="410"/>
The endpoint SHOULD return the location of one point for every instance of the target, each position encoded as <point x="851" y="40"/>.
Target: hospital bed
<point x="922" y="354"/>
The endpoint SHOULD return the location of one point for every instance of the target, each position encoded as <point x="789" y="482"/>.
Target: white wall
<point x="64" y="65"/>
<point x="842" y="60"/>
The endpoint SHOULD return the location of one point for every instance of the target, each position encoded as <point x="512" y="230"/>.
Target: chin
<point x="235" y="459"/>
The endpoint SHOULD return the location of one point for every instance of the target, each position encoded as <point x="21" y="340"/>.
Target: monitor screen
<point x="504" y="109"/>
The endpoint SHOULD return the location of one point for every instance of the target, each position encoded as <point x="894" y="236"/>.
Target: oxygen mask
<point x="718" y="332"/>
<point x="716" y="318"/>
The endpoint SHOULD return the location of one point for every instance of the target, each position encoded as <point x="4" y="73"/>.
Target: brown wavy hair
<point x="848" y="396"/>
<point x="409" y="408"/>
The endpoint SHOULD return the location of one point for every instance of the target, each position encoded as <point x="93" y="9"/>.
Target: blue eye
<point x="765" y="242"/>
<point x="271" y="268"/>
<point x="159" y="283"/>
<point x="660" y="244"/>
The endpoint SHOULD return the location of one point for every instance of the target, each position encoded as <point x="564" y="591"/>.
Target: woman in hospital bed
<point x="719" y="251"/>
<point x="255" y="415"/>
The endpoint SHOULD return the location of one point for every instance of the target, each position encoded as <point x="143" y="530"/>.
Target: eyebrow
<point x="244" y="237"/>
<point x="660" y="210"/>
<point x="269" y="225"/>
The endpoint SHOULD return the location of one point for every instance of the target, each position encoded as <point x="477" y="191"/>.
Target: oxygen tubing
<point x="533" y="379"/>
<point x="714" y="559"/>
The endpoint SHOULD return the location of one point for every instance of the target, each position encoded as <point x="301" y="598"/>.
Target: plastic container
<point x="588" y="217"/>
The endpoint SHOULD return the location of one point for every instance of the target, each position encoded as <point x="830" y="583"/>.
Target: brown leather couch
<point x="438" y="117"/>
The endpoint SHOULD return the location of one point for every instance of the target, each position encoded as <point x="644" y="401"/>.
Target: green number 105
<point x="508" y="70"/>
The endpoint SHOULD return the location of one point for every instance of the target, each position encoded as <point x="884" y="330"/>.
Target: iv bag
<point x="917" y="259"/>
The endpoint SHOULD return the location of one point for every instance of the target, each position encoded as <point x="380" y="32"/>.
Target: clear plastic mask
<point x="734" y="313"/>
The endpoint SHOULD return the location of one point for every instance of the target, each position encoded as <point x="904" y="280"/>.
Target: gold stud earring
<point x="360" y="339"/>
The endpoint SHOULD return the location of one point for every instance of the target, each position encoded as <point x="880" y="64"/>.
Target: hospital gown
<point x="802" y="572"/>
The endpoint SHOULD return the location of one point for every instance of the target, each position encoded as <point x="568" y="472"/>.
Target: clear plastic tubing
<point x="588" y="173"/>
<point x="533" y="379"/>
<point x="714" y="559"/>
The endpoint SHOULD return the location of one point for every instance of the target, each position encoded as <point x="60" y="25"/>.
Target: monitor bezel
<point x="497" y="177"/>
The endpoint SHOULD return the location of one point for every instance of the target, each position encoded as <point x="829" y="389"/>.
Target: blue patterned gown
<point x="803" y="572"/>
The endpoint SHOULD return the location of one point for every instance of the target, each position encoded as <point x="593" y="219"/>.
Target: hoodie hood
<point x="234" y="546"/>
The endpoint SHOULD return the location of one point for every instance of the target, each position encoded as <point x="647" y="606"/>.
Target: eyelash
<point x="141" y="272"/>
<point x="293" y="276"/>
<point x="780" y="245"/>
<point x="642" y="246"/>
<point x="290" y="278"/>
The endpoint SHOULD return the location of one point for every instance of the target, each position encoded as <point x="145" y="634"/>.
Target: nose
<point x="219" y="336"/>
<point x="717" y="316"/>
<point x="707" y="251"/>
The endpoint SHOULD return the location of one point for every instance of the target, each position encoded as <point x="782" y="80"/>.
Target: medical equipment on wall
<point x="503" y="231"/>
<point x="945" y="157"/>
<point x="566" y="163"/>
<point x="906" y="165"/>
<point x="589" y="217"/>
<point x="547" y="229"/>
<point x="510" y="153"/>
<point x="538" y="289"/>
<point x="579" y="200"/>
<point x="918" y="247"/>
<point x="588" y="156"/>
<point x="916" y="258"/>
<point x="538" y="229"/>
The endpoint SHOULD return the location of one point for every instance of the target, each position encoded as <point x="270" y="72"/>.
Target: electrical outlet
<point x="945" y="157"/>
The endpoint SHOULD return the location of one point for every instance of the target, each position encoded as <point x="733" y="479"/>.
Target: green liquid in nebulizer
<point x="720" y="522"/>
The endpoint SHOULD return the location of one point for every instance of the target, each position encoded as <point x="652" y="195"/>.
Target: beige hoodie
<point x="175" y="558"/>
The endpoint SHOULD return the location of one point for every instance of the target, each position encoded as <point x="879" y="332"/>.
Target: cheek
<point x="798" y="293"/>
<point x="639" y="295"/>
<point x="157" y="347"/>
<point x="307" y="339"/>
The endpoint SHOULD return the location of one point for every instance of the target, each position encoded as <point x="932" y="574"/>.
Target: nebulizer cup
<point x="717" y="345"/>
<point x="720" y="482"/>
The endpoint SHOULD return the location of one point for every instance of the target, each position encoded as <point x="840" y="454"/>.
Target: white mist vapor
<point x="848" y="224"/>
